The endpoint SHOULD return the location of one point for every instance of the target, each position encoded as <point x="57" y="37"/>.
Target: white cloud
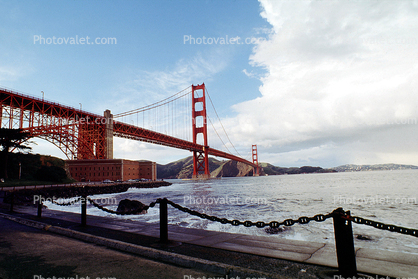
<point x="42" y="146"/>
<point x="11" y="72"/>
<point x="139" y="87"/>
<point x="7" y="74"/>
<point x="143" y="88"/>
<point x="339" y="72"/>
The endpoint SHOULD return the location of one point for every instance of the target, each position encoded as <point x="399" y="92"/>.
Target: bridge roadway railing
<point x="12" y="98"/>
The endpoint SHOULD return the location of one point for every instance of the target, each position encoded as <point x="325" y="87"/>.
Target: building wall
<point x="130" y="170"/>
<point x="148" y="170"/>
<point x="112" y="169"/>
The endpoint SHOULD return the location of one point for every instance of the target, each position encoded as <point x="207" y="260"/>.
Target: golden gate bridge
<point x="179" y="121"/>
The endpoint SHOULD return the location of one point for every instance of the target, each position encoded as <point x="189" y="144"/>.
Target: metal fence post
<point x="83" y="210"/>
<point x="40" y="207"/>
<point x="163" y="221"/>
<point x="12" y="197"/>
<point x="344" y="243"/>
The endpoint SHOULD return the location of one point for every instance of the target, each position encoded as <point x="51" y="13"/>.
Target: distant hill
<point x="184" y="169"/>
<point x="351" y="167"/>
<point x="232" y="169"/>
<point x="273" y="170"/>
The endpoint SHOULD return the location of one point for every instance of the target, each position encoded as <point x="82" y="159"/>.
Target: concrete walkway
<point x="27" y="252"/>
<point x="370" y="261"/>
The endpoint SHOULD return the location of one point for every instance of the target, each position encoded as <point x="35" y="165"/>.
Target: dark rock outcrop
<point x="276" y="230"/>
<point x="233" y="169"/>
<point x="183" y="169"/>
<point x="364" y="237"/>
<point x="131" y="206"/>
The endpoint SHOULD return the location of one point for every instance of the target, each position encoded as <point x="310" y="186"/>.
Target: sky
<point x="320" y="83"/>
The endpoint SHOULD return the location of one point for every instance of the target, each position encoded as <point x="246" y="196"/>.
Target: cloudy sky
<point x="319" y="83"/>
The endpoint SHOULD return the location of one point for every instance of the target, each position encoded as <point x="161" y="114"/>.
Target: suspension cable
<point x="157" y="104"/>
<point x="218" y="134"/>
<point x="221" y="124"/>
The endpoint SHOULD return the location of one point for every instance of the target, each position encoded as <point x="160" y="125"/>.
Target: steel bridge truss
<point x="80" y="135"/>
<point x="83" y="135"/>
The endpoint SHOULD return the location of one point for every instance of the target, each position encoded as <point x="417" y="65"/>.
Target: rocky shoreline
<point x="27" y="196"/>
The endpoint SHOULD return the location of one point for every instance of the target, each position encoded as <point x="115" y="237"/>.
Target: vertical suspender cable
<point x="221" y="122"/>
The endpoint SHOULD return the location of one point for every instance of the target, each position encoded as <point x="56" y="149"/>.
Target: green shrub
<point x="51" y="173"/>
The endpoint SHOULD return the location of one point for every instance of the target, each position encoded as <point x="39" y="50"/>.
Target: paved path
<point x="371" y="261"/>
<point x="26" y="252"/>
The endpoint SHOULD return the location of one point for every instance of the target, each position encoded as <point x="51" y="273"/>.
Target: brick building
<point x="112" y="169"/>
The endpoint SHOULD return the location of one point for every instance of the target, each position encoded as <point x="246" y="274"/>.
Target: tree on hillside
<point x="51" y="173"/>
<point x="11" y="139"/>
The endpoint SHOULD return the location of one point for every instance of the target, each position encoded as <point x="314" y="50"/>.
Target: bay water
<point x="385" y="196"/>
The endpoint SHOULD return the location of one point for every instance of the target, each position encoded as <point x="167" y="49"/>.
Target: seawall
<point x="25" y="196"/>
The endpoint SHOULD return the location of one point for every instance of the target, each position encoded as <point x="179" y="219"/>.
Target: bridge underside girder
<point x="80" y="135"/>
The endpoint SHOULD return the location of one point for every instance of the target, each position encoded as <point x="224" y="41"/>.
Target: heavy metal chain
<point x="378" y="225"/>
<point x="301" y="220"/>
<point x="259" y="224"/>
<point x="382" y="226"/>
<point x="132" y="212"/>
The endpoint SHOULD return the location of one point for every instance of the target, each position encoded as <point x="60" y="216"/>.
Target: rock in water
<point x="364" y="237"/>
<point x="275" y="230"/>
<point x="131" y="207"/>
